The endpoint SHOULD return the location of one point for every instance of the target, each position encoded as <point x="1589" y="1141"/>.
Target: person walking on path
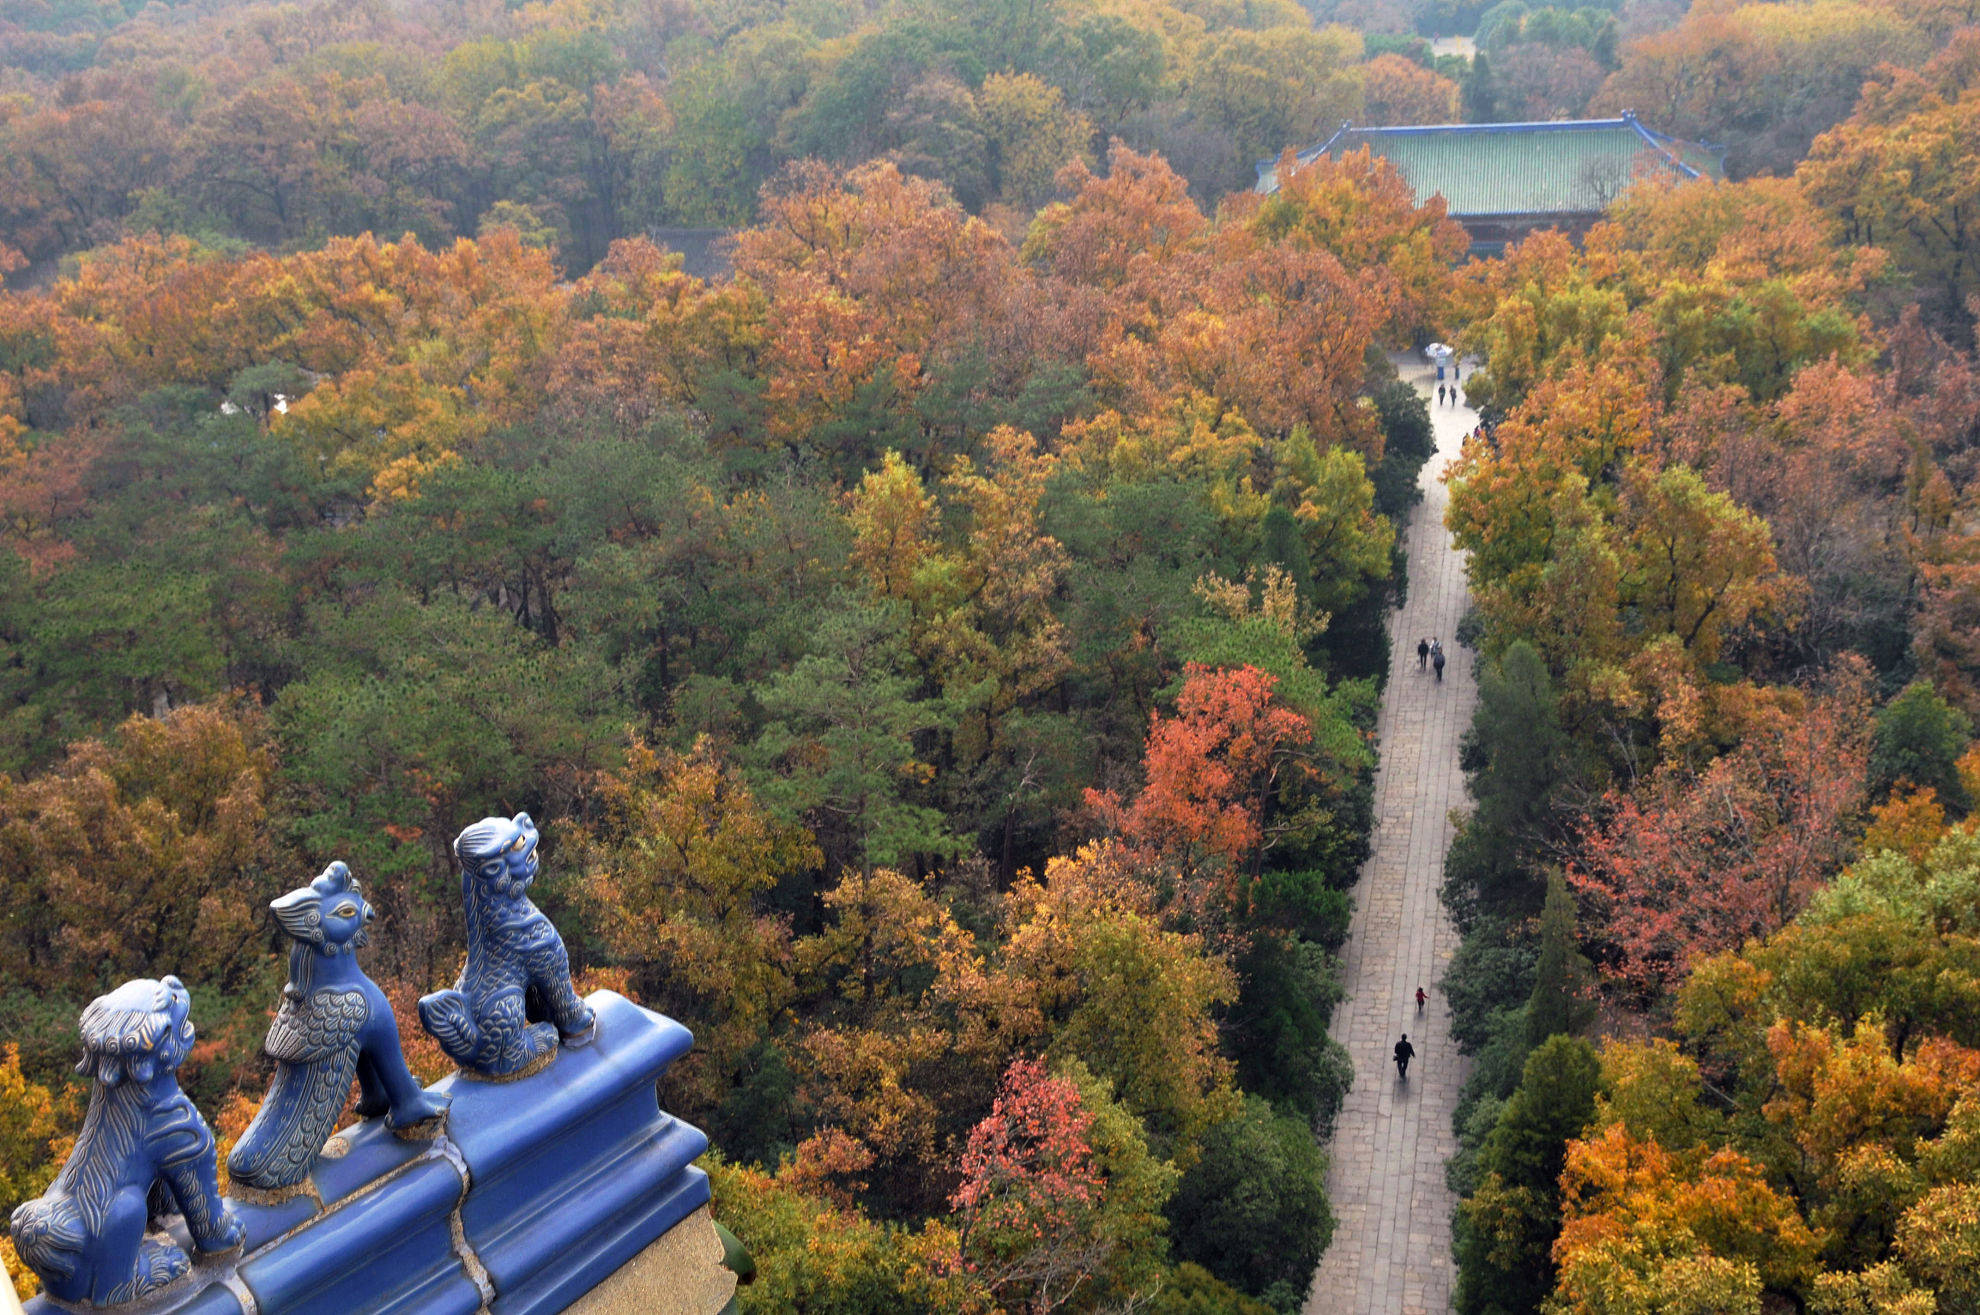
<point x="1404" y="1053"/>
<point x="1422" y="653"/>
<point x="1391" y="1248"/>
<point x="1420" y="998"/>
<point x="1440" y="394"/>
<point x="1437" y="661"/>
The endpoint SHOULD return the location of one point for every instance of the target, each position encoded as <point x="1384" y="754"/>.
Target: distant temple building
<point x="1503" y="181"/>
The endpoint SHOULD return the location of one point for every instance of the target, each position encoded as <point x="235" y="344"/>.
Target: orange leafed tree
<point x="1900" y="172"/>
<point x="675" y="868"/>
<point x="1120" y="227"/>
<point x="404" y="356"/>
<point x="34" y="1120"/>
<point x="144" y="852"/>
<point x="1397" y="91"/>
<point x="1090" y="972"/>
<point x="645" y="336"/>
<point x="1268" y="312"/>
<point x="867" y="272"/>
<point x="1640" y="1221"/>
<point x="879" y="1057"/>
<point x="1846" y="1102"/>
<point x="1213" y="770"/>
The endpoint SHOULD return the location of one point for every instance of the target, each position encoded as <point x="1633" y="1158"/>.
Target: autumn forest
<point x="941" y="640"/>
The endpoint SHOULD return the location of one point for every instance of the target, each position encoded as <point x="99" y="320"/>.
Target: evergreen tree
<point x="1480" y="98"/>
<point x="1253" y="1208"/>
<point x="1407" y="442"/>
<point x="1279" y="1028"/>
<point x="839" y="749"/>
<point x="1506" y="1229"/>
<point x="1516" y="754"/>
<point x="1919" y="739"/>
<point x="1561" y="1001"/>
<point x="1284" y="544"/>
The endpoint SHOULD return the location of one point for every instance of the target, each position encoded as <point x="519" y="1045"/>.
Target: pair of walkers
<point x="1404" y="1050"/>
<point x="1445" y="391"/>
<point x="1432" y="652"/>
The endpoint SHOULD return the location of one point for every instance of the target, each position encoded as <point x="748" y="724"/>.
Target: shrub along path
<point x="1391" y="1252"/>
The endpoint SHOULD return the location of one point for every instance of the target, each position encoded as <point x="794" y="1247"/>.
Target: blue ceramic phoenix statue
<point x="514" y="998"/>
<point x="333" y="1024"/>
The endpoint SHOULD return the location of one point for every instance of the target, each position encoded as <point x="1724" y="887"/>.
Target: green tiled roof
<point x="1572" y="167"/>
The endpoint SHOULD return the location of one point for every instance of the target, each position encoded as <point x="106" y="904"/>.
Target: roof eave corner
<point x="1268" y="170"/>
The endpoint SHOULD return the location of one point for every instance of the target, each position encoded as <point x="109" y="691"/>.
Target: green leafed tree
<point x="1563" y="999"/>
<point x="412" y="719"/>
<point x="1253" y="1210"/>
<point x="1919" y="739"/>
<point x="1506" y="1229"/>
<point x="838" y="747"/>
<point x="1516" y="755"/>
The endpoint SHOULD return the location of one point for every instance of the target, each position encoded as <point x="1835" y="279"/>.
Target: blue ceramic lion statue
<point x="514" y="999"/>
<point x="95" y="1236"/>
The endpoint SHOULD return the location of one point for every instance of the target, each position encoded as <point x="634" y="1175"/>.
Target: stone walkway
<point x="1391" y="1254"/>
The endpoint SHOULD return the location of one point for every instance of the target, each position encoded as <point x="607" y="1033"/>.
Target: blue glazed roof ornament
<point x="97" y="1236"/>
<point x="334" y="1024"/>
<point x="516" y="963"/>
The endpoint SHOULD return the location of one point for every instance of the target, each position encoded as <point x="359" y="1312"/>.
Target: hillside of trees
<point x="942" y="653"/>
<point x="1718" y="895"/>
<point x="580" y="122"/>
<point x="943" y="669"/>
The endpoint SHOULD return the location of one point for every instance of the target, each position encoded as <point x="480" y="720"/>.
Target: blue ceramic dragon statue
<point x="333" y="1024"/>
<point x="143" y="1149"/>
<point x="514" y="998"/>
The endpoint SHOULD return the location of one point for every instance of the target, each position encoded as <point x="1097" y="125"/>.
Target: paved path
<point x="1391" y="1254"/>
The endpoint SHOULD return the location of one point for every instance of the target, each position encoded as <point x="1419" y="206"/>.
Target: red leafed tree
<point x="1030" y="1190"/>
<point x="1699" y="860"/>
<point x="1213" y="770"/>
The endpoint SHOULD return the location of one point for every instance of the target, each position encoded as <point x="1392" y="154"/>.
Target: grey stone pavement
<point x="1391" y="1251"/>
